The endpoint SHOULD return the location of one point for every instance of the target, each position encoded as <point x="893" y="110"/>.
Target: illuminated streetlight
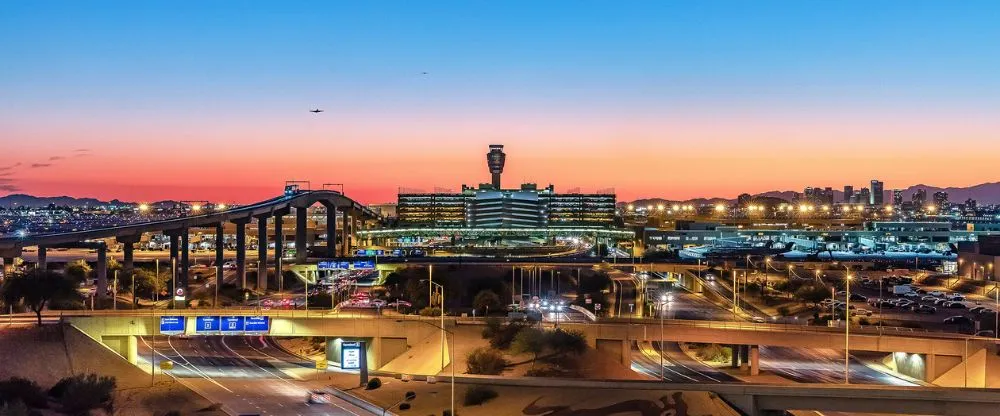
<point x="660" y="207"/>
<point x="196" y="208"/>
<point x="220" y="206"/>
<point x="631" y="207"/>
<point x="720" y="208"/>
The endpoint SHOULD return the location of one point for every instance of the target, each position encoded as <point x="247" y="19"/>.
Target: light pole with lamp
<point x="847" y="328"/>
<point x="663" y="304"/>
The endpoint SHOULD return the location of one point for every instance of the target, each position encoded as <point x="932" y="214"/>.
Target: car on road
<point x="957" y="320"/>
<point x="862" y="312"/>
<point x="858" y="298"/>
<point x="936" y="293"/>
<point x="912" y="295"/>
<point x="953" y="305"/>
<point x="318" y="397"/>
<point x="923" y="309"/>
<point x="940" y="301"/>
<point x="759" y="320"/>
<point x="956" y="297"/>
<point x="986" y="333"/>
<point x="928" y="298"/>
<point x="229" y="265"/>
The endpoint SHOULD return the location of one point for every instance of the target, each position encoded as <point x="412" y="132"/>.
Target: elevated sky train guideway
<point x="294" y="202"/>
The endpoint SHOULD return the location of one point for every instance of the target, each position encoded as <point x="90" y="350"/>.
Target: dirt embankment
<point x="50" y="353"/>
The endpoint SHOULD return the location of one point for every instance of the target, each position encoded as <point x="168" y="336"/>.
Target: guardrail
<point x="327" y="314"/>
<point x="590" y="315"/>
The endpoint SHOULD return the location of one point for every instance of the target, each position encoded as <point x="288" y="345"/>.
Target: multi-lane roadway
<point x="246" y="374"/>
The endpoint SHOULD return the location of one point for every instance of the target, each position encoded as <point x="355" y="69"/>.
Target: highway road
<point x="806" y="365"/>
<point x="677" y="366"/>
<point x="246" y="374"/>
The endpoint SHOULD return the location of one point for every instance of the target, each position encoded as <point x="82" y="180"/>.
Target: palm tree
<point x="37" y="288"/>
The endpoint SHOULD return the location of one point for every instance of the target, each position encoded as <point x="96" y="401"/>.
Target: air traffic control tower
<point x="495" y="160"/>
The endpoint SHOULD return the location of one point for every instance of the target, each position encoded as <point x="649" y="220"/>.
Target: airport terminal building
<point x="491" y="206"/>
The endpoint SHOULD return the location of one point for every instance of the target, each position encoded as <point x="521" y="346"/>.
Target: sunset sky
<point x="149" y="100"/>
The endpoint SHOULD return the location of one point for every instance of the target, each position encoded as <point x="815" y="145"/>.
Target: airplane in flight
<point x="316" y="111"/>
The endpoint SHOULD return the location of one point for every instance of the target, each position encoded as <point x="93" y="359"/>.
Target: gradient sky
<point x="148" y="100"/>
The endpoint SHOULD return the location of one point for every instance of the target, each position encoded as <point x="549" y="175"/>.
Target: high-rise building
<point x="863" y="196"/>
<point x="897" y="197"/>
<point x="878" y="193"/>
<point x="848" y="193"/>
<point x="919" y="197"/>
<point x="941" y="199"/>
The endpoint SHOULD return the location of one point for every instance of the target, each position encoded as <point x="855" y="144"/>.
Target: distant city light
<point x="143" y="207"/>
<point x="720" y="208"/>
<point x="22" y="233"/>
<point x="220" y="206"/>
<point x="196" y="207"/>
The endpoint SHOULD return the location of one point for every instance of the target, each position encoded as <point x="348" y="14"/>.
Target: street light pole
<point x="847" y="328"/>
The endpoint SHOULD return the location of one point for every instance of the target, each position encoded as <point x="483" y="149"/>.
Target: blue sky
<point x="529" y="73"/>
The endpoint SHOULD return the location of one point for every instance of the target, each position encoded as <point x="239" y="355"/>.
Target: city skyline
<point x="681" y="100"/>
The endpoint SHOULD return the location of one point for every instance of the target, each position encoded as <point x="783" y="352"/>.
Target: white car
<point x="936" y="293"/>
<point x="229" y="265"/>
<point x="759" y="320"/>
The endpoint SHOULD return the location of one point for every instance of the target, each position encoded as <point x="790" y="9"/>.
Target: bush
<point x="505" y="335"/>
<point x="16" y="389"/>
<point x="485" y="360"/>
<point x="715" y="353"/>
<point x="373" y="384"/>
<point x="81" y="393"/>
<point x="529" y="340"/>
<point x="567" y="342"/>
<point x="477" y="395"/>
<point x="493" y="326"/>
<point x="429" y="311"/>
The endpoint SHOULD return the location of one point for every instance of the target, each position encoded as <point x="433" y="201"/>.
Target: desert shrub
<point x="373" y="384"/>
<point x="505" y="334"/>
<point x="567" y="342"/>
<point x="477" y="395"/>
<point x="16" y="389"/>
<point x="714" y="352"/>
<point x="429" y="311"/>
<point x="485" y="360"/>
<point x="78" y="394"/>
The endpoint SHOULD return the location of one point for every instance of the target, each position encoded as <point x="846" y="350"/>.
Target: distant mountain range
<point x="986" y="193"/>
<point x="31" y="201"/>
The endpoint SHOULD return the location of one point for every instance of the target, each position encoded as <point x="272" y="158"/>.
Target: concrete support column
<point x="345" y="239"/>
<point x="735" y="356"/>
<point x="220" y="244"/>
<point x="174" y="247"/>
<point x="262" y="253"/>
<point x="102" y="271"/>
<point x="185" y="265"/>
<point x="279" y="247"/>
<point x="241" y="253"/>
<point x="331" y="230"/>
<point x="754" y="360"/>
<point x="128" y="264"/>
<point x="300" y="235"/>
<point x="41" y="263"/>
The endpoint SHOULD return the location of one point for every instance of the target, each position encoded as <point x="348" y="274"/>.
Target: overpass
<point x="178" y="231"/>
<point x="938" y="352"/>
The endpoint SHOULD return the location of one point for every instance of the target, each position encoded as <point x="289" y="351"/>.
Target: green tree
<point x="147" y="283"/>
<point x="529" y="340"/>
<point x="486" y="300"/>
<point x="812" y="293"/>
<point x="78" y="270"/>
<point x="37" y="288"/>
